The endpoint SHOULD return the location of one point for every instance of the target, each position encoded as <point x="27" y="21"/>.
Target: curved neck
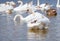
<point x="21" y="17"/>
<point x="20" y="2"/>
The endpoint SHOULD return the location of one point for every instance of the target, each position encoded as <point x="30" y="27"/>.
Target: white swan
<point x="45" y="6"/>
<point x="6" y="8"/>
<point x="25" y="7"/>
<point x="42" y="7"/>
<point x="20" y="4"/>
<point x="34" y="19"/>
<point x="21" y="7"/>
<point x="13" y="4"/>
<point x="57" y="5"/>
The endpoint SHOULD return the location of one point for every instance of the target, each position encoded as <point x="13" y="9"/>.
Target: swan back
<point x="5" y="7"/>
<point x="21" y="8"/>
<point x="30" y="19"/>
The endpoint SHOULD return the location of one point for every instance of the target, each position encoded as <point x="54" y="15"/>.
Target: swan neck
<point x="21" y="3"/>
<point x="37" y="2"/>
<point x="57" y="2"/>
<point x="21" y="17"/>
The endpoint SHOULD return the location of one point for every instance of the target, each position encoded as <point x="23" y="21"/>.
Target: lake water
<point x="10" y="31"/>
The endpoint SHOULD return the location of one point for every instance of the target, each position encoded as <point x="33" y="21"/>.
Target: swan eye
<point x="27" y="9"/>
<point x="34" y="21"/>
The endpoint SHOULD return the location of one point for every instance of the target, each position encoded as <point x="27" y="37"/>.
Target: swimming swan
<point x="25" y="7"/>
<point x="21" y="7"/>
<point x="6" y="8"/>
<point x="35" y="19"/>
<point x="45" y="6"/>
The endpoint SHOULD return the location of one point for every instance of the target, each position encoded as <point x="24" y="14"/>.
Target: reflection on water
<point x="37" y="34"/>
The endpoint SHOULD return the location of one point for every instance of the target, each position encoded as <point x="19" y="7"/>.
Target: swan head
<point x="51" y="12"/>
<point x="30" y="11"/>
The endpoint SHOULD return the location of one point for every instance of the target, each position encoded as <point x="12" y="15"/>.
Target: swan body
<point x="34" y="19"/>
<point x="2" y="4"/>
<point x="13" y="4"/>
<point x="42" y="7"/>
<point x="20" y="7"/>
<point x="6" y="8"/>
<point x="25" y="7"/>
